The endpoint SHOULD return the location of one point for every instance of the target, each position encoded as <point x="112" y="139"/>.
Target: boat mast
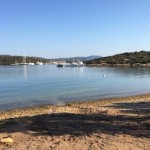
<point x="24" y="59"/>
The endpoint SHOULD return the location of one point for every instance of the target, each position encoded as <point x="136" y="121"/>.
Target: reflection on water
<point x="25" y="72"/>
<point x="23" y="86"/>
<point x="81" y="70"/>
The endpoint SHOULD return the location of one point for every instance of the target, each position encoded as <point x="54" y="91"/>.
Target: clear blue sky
<point x="64" y="28"/>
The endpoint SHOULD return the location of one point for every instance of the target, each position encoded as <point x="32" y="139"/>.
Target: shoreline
<point x="115" y="123"/>
<point x="71" y="107"/>
<point x="119" y="65"/>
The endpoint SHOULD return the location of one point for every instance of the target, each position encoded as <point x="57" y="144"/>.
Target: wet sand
<point x="109" y="124"/>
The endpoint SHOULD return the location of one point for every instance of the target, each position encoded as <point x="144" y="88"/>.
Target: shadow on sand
<point x="85" y="124"/>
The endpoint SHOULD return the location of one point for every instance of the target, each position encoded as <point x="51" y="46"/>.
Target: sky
<point x="66" y="28"/>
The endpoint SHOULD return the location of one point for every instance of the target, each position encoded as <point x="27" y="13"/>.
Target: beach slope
<point x="110" y="124"/>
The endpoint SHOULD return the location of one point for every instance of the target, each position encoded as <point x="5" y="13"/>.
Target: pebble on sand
<point x="6" y="140"/>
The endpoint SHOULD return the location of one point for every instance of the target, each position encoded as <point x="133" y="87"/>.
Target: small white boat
<point x="74" y="64"/>
<point x="23" y="64"/>
<point x="77" y="64"/>
<point x="31" y="64"/>
<point x="80" y="64"/>
<point x="39" y="63"/>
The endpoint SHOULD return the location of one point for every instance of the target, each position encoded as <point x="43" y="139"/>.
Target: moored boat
<point x="74" y="64"/>
<point x="60" y="65"/>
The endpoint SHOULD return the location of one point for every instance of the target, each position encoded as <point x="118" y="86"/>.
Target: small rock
<point x="6" y="140"/>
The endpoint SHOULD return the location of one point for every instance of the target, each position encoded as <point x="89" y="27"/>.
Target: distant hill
<point x="142" y="57"/>
<point x="8" y="60"/>
<point x="79" y="58"/>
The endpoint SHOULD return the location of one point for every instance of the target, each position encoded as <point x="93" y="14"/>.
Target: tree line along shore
<point x="141" y="58"/>
<point x="9" y="60"/>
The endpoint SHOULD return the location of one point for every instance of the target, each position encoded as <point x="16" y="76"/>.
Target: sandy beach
<point x="109" y="124"/>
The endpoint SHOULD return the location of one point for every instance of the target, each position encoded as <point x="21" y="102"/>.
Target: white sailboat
<point x="39" y="63"/>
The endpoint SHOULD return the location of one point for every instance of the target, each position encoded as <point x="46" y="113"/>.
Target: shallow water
<point x="25" y="86"/>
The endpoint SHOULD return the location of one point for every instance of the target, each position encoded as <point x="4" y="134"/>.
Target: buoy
<point x="104" y="75"/>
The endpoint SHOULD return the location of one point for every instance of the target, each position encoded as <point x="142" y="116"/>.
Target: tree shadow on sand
<point x="85" y="124"/>
<point x="141" y="108"/>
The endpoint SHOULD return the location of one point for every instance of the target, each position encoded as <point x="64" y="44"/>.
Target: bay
<point x="28" y="86"/>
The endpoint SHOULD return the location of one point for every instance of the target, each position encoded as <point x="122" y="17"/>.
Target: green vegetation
<point x="142" y="57"/>
<point x="8" y="60"/>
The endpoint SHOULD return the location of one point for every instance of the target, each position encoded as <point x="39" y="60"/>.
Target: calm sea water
<point x="25" y="86"/>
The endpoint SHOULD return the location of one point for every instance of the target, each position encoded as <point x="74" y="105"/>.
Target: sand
<point x="109" y="124"/>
